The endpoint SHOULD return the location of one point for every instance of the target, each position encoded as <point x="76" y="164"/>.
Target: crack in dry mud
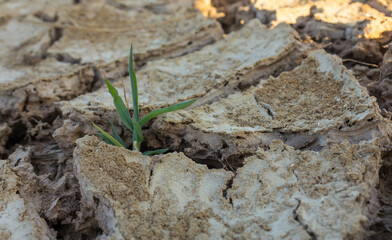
<point x="51" y="167"/>
<point x="306" y="227"/>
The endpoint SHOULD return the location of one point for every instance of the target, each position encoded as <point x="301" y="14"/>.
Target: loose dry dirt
<point x="290" y="137"/>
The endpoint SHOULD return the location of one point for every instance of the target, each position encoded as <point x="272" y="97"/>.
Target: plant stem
<point x="134" y="88"/>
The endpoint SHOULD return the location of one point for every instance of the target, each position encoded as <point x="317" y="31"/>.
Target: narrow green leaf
<point x="134" y="88"/>
<point x="114" y="141"/>
<point x="107" y="140"/>
<point x="117" y="137"/>
<point x="172" y="108"/>
<point x="155" y="152"/>
<point x="137" y="135"/>
<point x="122" y="110"/>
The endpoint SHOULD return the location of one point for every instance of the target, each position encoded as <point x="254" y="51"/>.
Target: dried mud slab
<point x="27" y="43"/>
<point x="101" y="34"/>
<point x="350" y="29"/>
<point x="30" y="84"/>
<point x="22" y="43"/>
<point x="273" y="196"/>
<point x="17" y="219"/>
<point x="47" y="81"/>
<point x="237" y="61"/>
<point x="157" y="6"/>
<point x="43" y="8"/>
<point x="316" y="104"/>
<point x="27" y="100"/>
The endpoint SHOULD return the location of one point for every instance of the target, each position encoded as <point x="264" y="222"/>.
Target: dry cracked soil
<point x="290" y="136"/>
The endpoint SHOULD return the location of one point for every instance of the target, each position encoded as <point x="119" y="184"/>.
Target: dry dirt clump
<point x="273" y="196"/>
<point x="316" y="104"/>
<point x="238" y="61"/>
<point x="17" y="219"/>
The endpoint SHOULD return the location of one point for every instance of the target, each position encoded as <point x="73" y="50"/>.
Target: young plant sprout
<point x="134" y="124"/>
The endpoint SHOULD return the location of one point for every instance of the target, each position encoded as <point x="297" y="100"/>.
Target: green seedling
<point x="134" y="123"/>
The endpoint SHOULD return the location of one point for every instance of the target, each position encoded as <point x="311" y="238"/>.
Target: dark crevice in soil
<point x="235" y="13"/>
<point x="381" y="225"/>
<point x="200" y="155"/>
<point x="98" y="81"/>
<point x="66" y="58"/>
<point x="44" y="159"/>
<point x="87" y="230"/>
<point x="119" y="6"/>
<point x="18" y="134"/>
<point x="58" y="34"/>
<point x="54" y="37"/>
<point x="48" y="184"/>
<point x="210" y="163"/>
<point x="229" y="185"/>
<point x="304" y="226"/>
<point x="46" y="18"/>
<point x="150" y="138"/>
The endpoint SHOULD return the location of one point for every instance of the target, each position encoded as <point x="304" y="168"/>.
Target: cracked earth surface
<point x="290" y="137"/>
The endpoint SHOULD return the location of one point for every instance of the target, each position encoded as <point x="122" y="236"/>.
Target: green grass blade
<point x="114" y="141"/>
<point x="117" y="137"/>
<point x="155" y="152"/>
<point x="107" y="140"/>
<point x="172" y="108"/>
<point x="134" y="87"/>
<point x="137" y="135"/>
<point x="122" y="110"/>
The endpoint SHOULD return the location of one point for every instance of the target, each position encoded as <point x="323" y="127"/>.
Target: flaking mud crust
<point x="354" y="30"/>
<point x="30" y="82"/>
<point x="272" y="196"/>
<point x="18" y="219"/>
<point x="350" y="29"/>
<point x="197" y="201"/>
<point x="155" y="6"/>
<point x="316" y="104"/>
<point x="20" y="8"/>
<point x="101" y="34"/>
<point x="42" y="42"/>
<point x="239" y="60"/>
<point x="31" y="97"/>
